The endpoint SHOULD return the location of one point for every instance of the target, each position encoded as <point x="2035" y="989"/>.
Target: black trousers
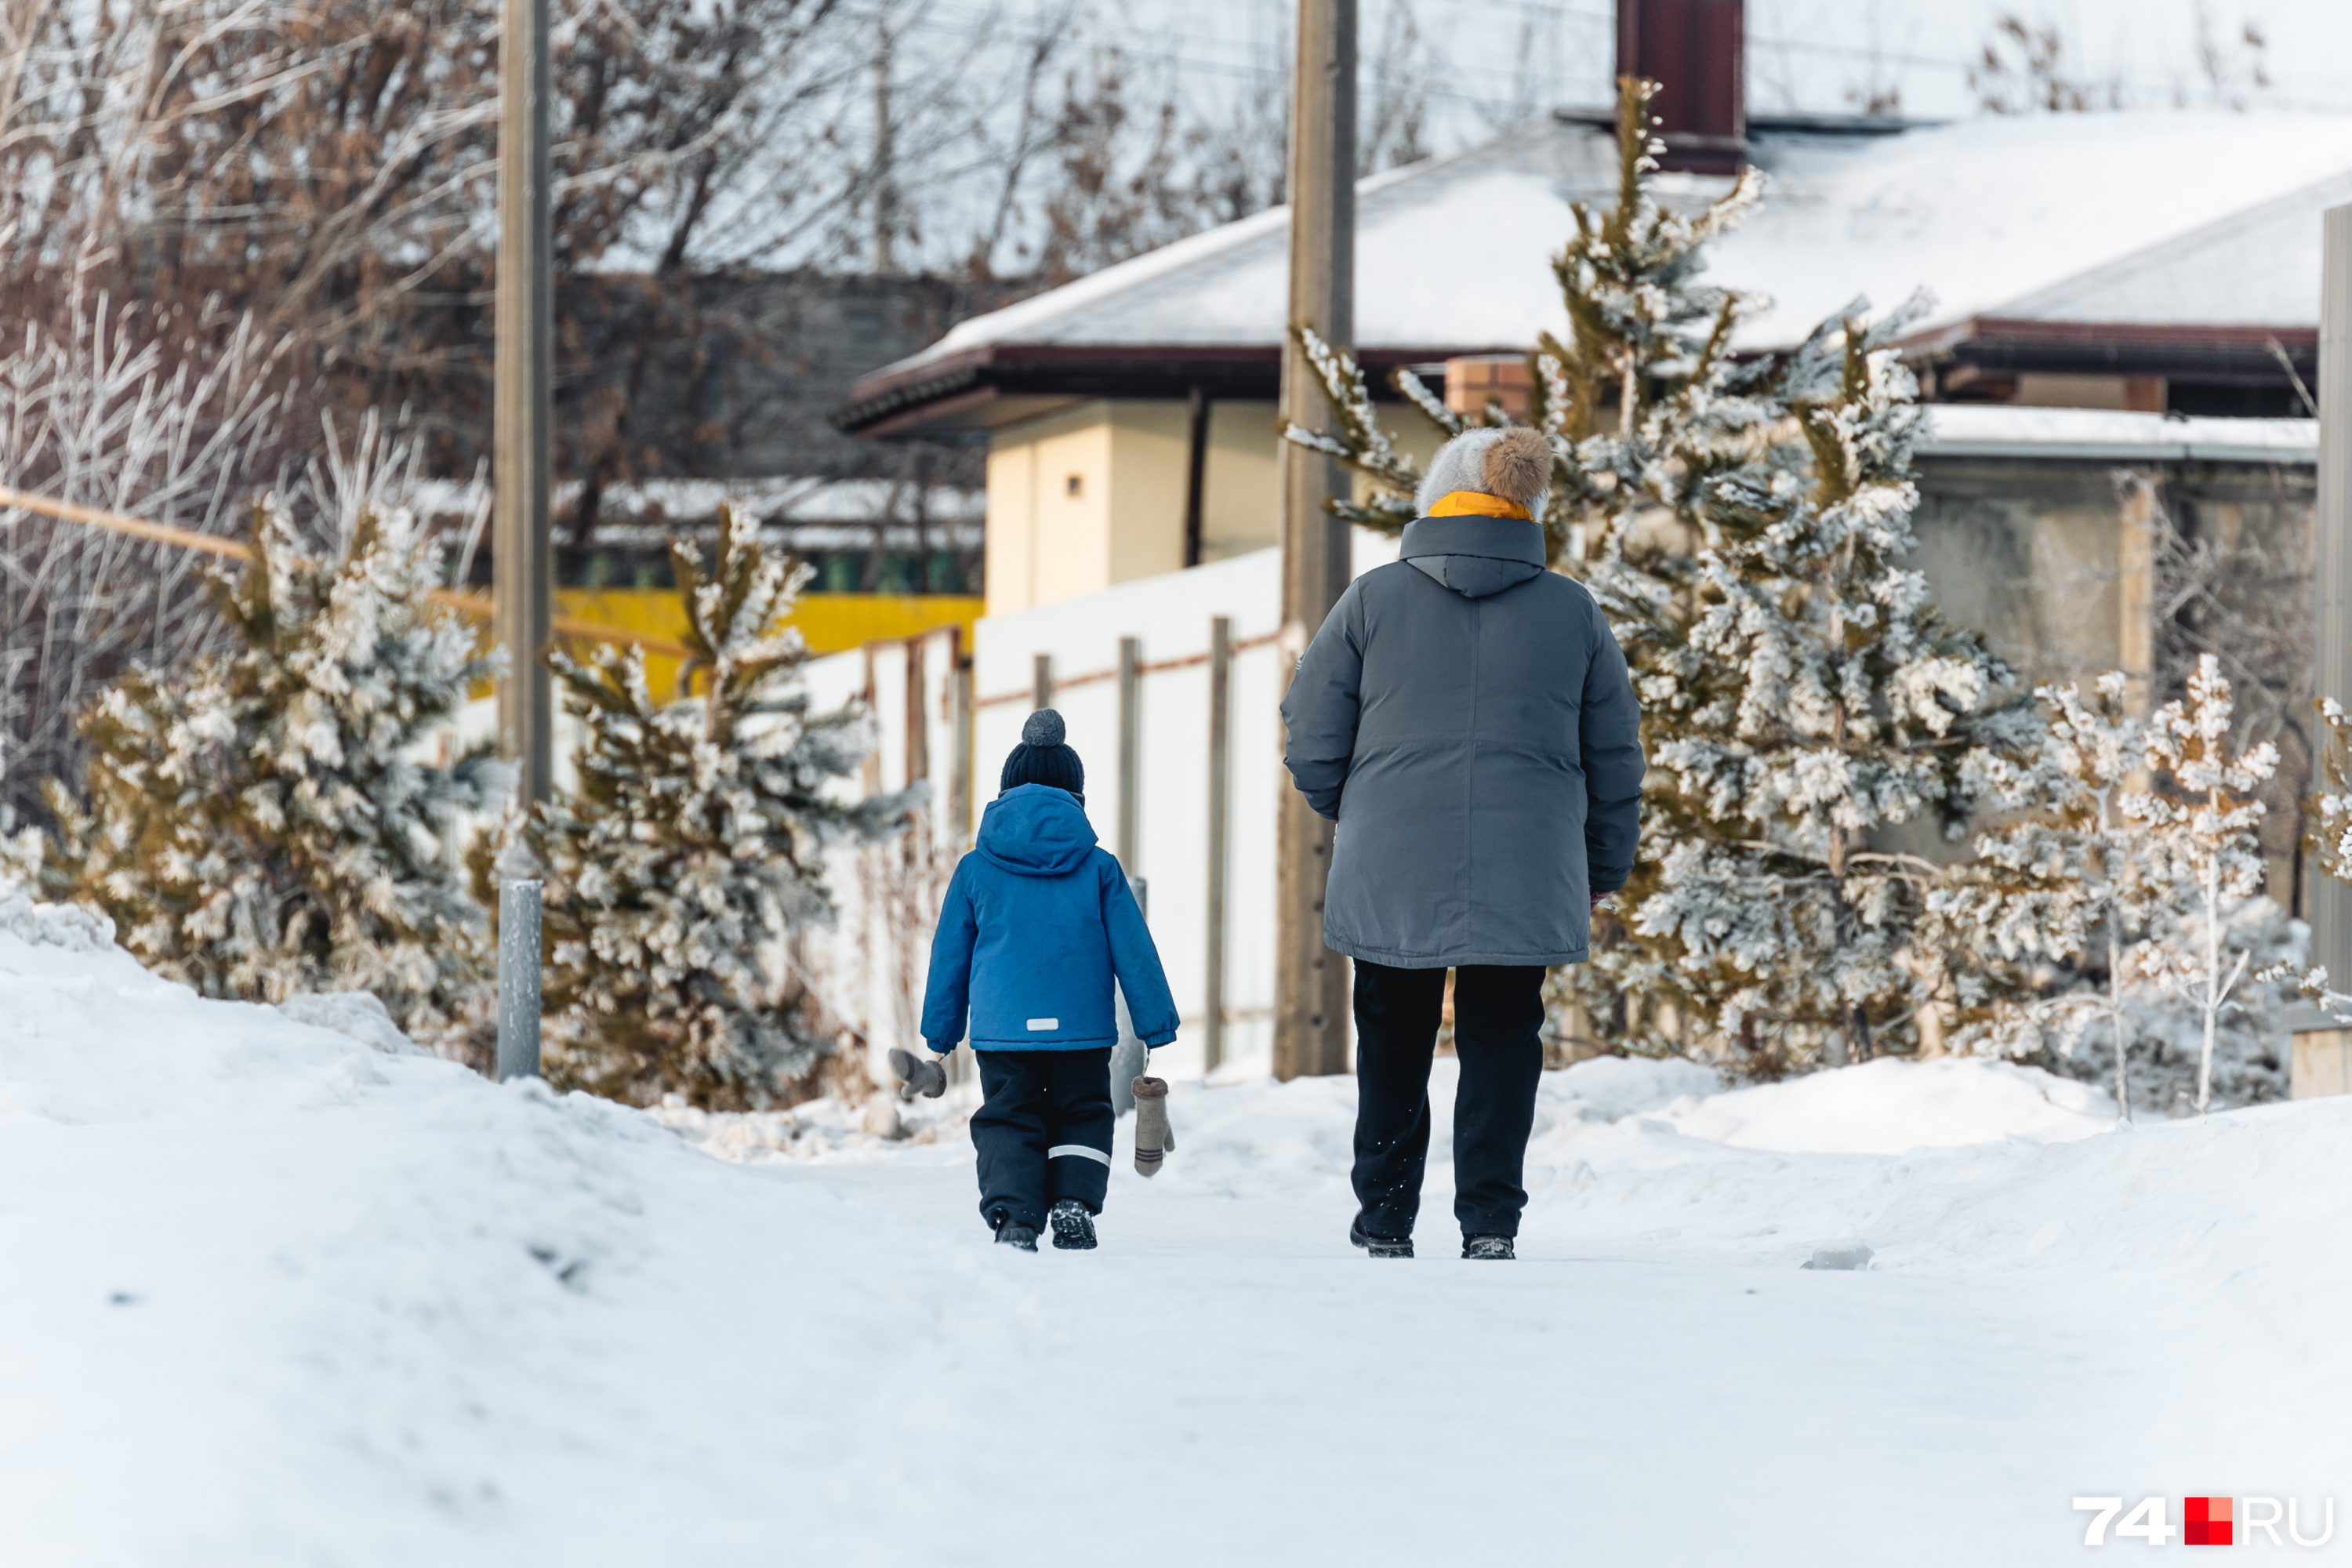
<point x="1497" y="1013"/>
<point x="1043" y="1132"/>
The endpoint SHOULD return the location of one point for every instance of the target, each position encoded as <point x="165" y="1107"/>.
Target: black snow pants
<point x="1043" y="1132"/>
<point x="1497" y="1012"/>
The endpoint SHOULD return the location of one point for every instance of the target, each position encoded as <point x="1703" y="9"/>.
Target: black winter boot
<point x="1011" y="1234"/>
<point x="1074" y="1228"/>
<point x="1379" y="1246"/>
<point x="1489" y="1246"/>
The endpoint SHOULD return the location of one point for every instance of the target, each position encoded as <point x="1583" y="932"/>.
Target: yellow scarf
<point x="1476" y="503"/>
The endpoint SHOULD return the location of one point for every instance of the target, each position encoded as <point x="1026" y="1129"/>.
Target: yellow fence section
<point x="831" y="622"/>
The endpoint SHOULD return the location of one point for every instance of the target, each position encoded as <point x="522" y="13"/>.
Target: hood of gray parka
<point x="1476" y="556"/>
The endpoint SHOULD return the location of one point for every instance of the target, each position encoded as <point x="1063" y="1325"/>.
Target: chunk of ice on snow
<point x="1855" y="1257"/>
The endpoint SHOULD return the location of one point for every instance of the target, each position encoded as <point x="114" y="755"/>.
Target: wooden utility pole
<point x="1310" y="1007"/>
<point x="2327" y="901"/>
<point x="524" y="424"/>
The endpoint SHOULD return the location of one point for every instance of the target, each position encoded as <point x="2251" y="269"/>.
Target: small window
<point x="1075" y="485"/>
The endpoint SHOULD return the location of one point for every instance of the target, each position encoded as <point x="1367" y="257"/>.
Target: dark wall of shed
<point x="2033" y="553"/>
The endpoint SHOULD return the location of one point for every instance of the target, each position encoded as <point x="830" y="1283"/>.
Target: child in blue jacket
<point x="1036" y="923"/>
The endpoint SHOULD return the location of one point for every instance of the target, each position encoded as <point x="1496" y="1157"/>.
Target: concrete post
<point x="2327" y="903"/>
<point x="519" y="955"/>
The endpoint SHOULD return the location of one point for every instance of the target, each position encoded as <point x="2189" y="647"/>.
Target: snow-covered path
<point x="271" y="1298"/>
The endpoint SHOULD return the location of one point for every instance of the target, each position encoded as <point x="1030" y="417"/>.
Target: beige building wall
<point x="1150" y="461"/>
<point x="1237" y="499"/>
<point x="1094" y="494"/>
<point x="1049" y="522"/>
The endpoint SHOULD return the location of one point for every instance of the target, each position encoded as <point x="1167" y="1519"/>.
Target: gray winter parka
<point x="1466" y="717"/>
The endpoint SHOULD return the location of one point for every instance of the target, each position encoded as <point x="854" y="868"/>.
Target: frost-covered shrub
<point x="257" y="825"/>
<point x="2117" y="922"/>
<point x="677" y="872"/>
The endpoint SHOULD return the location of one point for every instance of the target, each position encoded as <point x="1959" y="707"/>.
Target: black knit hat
<point x="1041" y="758"/>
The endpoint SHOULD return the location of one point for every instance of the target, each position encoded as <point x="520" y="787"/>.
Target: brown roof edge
<point x="904" y="401"/>
<point x="2233" y="353"/>
<point x="2033" y="330"/>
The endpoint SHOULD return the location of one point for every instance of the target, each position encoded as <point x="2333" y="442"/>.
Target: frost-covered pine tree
<point x="1645" y="406"/>
<point x="260" y="825"/>
<point x="2057" y="895"/>
<point x="692" y="849"/>
<point x="2199" y="838"/>
<point x="1643" y="398"/>
<point x="1818" y="707"/>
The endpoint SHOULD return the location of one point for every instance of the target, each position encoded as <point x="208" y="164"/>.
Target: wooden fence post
<point x="1221" y="655"/>
<point x="1130" y="747"/>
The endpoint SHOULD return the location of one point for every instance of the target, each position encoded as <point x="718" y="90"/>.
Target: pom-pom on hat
<point x="1041" y="758"/>
<point x="1513" y="462"/>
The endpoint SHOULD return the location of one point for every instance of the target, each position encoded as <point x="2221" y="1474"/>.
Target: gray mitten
<point x="1153" y="1137"/>
<point x="927" y="1078"/>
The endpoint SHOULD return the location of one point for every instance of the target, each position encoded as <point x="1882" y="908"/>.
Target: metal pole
<point x="1130" y="747"/>
<point x="1310" y="1008"/>
<point x="2327" y="903"/>
<point x="519" y="952"/>
<point x="1220" y="657"/>
<point x="523" y="435"/>
<point x="1041" y="681"/>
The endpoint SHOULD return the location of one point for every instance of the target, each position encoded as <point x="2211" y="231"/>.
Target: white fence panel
<point x="870" y="967"/>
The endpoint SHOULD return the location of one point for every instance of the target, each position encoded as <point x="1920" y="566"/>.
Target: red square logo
<point x="2206" y="1521"/>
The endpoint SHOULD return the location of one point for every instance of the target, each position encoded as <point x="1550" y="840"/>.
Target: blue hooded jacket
<point x="1036" y="923"/>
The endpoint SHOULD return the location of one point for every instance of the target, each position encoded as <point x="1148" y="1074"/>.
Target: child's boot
<point x="1074" y="1228"/>
<point x="1010" y="1234"/>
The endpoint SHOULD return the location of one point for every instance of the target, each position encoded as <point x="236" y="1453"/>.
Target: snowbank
<point x="1889" y="1107"/>
<point x="277" y="1296"/>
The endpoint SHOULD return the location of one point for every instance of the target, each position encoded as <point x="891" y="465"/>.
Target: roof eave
<point x="962" y="390"/>
<point x="2009" y="344"/>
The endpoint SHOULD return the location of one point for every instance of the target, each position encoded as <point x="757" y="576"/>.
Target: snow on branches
<point x="2123" y="895"/>
<point x="1641" y="400"/>
<point x="259" y="823"/>
<point x="2199" y="839"/>
<point x="677" y="872"/>
<point x="1815" y="705"/>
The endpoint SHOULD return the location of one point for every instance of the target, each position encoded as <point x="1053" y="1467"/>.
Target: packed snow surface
<point x="275" y="1295"/>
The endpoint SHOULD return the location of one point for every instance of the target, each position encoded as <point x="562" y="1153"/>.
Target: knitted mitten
<point x="927" y="1078"/>
<point x="1153" y="1137"/>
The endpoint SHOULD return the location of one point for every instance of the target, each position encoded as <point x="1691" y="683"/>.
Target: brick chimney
<point x="1696" y="49"/>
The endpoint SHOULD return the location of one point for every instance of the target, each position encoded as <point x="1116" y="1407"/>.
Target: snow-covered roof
<point x="2178" y="217"/>
<point x="2098" y="435"/>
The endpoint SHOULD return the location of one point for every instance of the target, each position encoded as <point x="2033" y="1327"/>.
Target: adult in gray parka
<point x="1465" y="716"/>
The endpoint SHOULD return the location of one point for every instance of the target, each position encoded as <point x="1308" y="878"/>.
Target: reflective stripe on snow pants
<point x="1044" y="1131"/>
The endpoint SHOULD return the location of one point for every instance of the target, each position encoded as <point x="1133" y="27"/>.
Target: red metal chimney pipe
<point x="1698" y="51"/>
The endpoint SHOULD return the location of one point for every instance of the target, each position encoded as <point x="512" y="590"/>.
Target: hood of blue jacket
<point x="1036" y="830"/>
<point x="1476" y="556"/>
